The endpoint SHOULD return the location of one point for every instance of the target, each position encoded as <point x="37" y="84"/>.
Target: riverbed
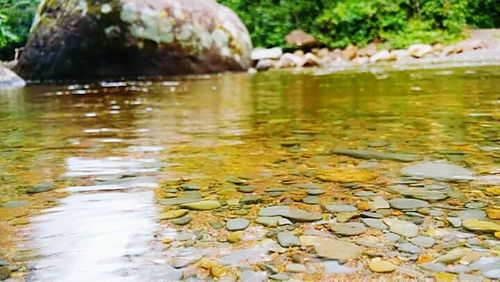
<point x="255" y="176"/>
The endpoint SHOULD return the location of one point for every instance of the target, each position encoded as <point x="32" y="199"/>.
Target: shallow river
<point x="90" y="172"/>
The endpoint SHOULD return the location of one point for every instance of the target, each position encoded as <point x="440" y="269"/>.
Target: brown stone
<point x="301" y="39"/>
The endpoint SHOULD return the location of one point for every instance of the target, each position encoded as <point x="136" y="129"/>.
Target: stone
<point x="265" y="64"/>
<point x="235" y="237"/>
<point x="423" y="241"/>
<point x="401" y="227"/>
<point x="272" y="221"/>
<point x="383" y="56"/>
<point x="369" y="155"/>
<point x="295" y="268"/>
<point x="182" y="220"/>
<point x="40" y="188"/>
<point x="332" y="248"/>
<point x="348" y="229"/>
<point x="311" y="200"/>
<point x="259" y="54"/>
<point x="334" y="267"/>
<point x="289" y="60"/>
<point x="315" y="192"/>
<point x="15" y="204"/>
<point x="493" y="214"/>
<point x="438" y="170"/>
<point x="287" y="239"/>
<point x="374" y="223"/>
<point x="345" y="216"/>
<point x="381" y="266"/>
<point x="250" y="199"/>
<point x="480" y="225"/>
<point x="132" y="38"/>
<point x="407" y="204"/>
<point x="4" y="272"/>
<point x="426" y="195"/>
<point x="349" y="52"/>
<point x="392" y="237"/>
<point x="190" y="187"/>
<point x="202" y="205"/>
<point x="420" y="50"/>
<point x="279" y="277"/>
<point x="173" y="214"/>
<point x="434" y="267"/>
<point x="252" y="276"/>
<point x="246" y="189"/>
<point x="340" y="208"/>
<point x="237" y="224"/>
<point x="377" y="203"/>
<point x="452" y="255"/>
<point x="409" y="248"/>
<point x="301" y="39"/>
<point x="9" y="79"/>
<point x="468" y="214"/>
<point x="346" y="175"/>
<point x="293" y="214"/>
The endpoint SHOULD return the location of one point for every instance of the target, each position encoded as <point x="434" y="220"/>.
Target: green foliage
<point x="337" y="23"/>
<point x="16" y="17"/>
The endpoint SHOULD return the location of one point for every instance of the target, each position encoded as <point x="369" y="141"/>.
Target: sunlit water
<point x="105" y="144"/>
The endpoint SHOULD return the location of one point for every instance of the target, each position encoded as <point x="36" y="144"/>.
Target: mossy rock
<point x="75" y="39"/>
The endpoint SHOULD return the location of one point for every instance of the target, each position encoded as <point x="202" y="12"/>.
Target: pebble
<point x="345" y="216"/>
<point x="332" y="248"/>
<point x="468" y="214"/>
<point x="406" y="204"/>
<point x="348" y="229"/>
<point x="237" y="224"/>
<point x="250" y="199"/>
<point x="182" y="220"/>
<point x="40" y="188"/>
<point x="457" y="268"/>
<point x="272" y="221"/>
<point x="294" y="214"/>
<point x="480" y="225"/>
<point x="279" y="277"/>
<point x="401" y="227"/>
<point x="438" y="170"/>
<point x="371" y="214"/>
<point x="202" y="205"/>
<point x="455" y="221"/>
<point x="235" y="237"/>
<point x="246" y="189"/>
<point x="295" y="268"/>
<point x="378" y="203"/>
<point x="409" y="248"/>
<point x="340" y="208"/>
<point x="434" y="267"/>
<point x="392" y="237"/>
<point x="452" y="255"/>
<point x="288" y="239"/>
<point x="374" y="223"/>
<point x="315" y="192"/>
<point x="381" y="266"/>
<point x="311" y="200"/>
<point x="173" y="214"/>
<point x="422" y="241"/>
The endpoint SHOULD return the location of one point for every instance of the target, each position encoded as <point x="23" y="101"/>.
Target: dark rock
<point x="129" y="38"/>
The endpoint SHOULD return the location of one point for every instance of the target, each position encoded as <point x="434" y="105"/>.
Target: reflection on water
<point x="104" y="144"/>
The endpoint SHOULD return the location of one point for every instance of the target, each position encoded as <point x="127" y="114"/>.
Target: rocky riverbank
<point x="482" y="46"/>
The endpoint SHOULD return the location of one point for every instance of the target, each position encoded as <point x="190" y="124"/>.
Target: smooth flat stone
<point x="250" y="199"/>
<point x="331" y="248"/>
<point x="438" y="170"/>
<point x="377" y="203"/>
<point x="237" y="224"/>
<point x="334" y="267"/>
<point x="348" y="229"/>
<point x="190" y="187"/>
<point x="366" y="154"/>
<point x="391" y="237"/>
<point x="246" y="189"/>
<point x="272" y="221"/>
<point x="182" y="220"/>
<point x="173" y="214"/>
<point x="311" y="186"/>
<point x="422" y="241"/>
<point x="468" y="214"/>
<point x="315" y="192"/>
<point x="340" y="208"/>
<point x="345" y="216"/>
<point x="295" y="268"/>
<point x="293" y="214"/>
<point x="480" y="225"/>
<point x="409" y="248"/>
<point x="433" y="267"/>
<point x="455" y="221"/>
<point x="202" y="205"/>
<point x="40" y="188"/>
<point x="381" y="266"/>
<point x="401" y="227"/>
<point x="426" y="195"/>
<point x="452" y="255"/>
<point x="374" y="223"/>
<point x="311" y="200"/>
<point x="406" y="204"/>
<point x="288" y="239"/>
<point x="279" y="277"/>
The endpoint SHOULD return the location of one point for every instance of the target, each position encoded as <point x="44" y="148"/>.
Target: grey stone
<point x="293" y="214"/>
<point x="311" y="200"/>
<point x="288" y="239"/>
<point x="422" y="241"/>
<point x="295" y="268"/>
<point x="348" y="229"/>
<point x="365" y="154"/>
<point x="409" y="248"/>
<point x="340" y="208"/>
<point x="374" y="223"/>
<point x="401" y="227"/>
<point x="237" y="224"/>
<point x="438" y="170"/>
<point x="433" y="267"/>
<point x="182" y="220"/>
<point x="467" y="214"/>
<point x="405" y="204"/>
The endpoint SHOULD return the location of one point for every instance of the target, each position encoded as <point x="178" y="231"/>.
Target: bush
<point x="337" y="23"/>
<point x="16" y="17"/>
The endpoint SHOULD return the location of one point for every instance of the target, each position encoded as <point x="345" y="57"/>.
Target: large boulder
<point x="116" y="38"/>
<point x="9" y="79"/>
